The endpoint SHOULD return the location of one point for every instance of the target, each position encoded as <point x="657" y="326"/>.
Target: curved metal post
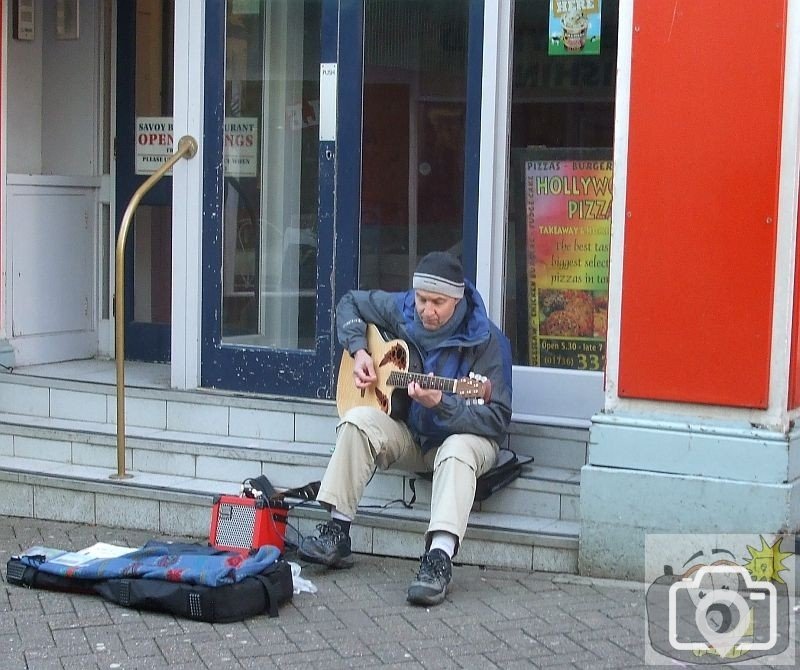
<point x="187" y="147"/>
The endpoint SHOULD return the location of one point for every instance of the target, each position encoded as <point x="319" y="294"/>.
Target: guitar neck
<point x="398" y="378"/>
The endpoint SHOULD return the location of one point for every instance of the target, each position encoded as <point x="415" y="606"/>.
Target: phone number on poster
<point x="572" y="354"/>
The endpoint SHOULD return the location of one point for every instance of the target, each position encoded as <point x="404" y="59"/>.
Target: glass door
<point x="144" y="140"/>
<point x="335" y="129"/>
<point x="414" y="138"/>
<point x="271" y="176"/>
<point x="268" y="233"/>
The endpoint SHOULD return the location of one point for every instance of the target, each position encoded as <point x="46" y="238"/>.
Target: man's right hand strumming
<point x="363" y="370"/>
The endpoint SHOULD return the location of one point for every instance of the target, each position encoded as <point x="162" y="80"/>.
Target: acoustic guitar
<point x="396" y="367"/>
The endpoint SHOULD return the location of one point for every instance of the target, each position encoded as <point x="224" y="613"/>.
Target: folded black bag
<point x="506" y="469"/>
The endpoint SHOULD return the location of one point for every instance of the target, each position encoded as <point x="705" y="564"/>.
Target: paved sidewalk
<point x="358" y="618"/>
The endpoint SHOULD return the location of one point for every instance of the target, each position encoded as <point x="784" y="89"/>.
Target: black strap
<point x="412" y="484"/>
<point x="306" y="492"/>
<point x="270" y="594"/>
<point x="402" y="501"/>
<point x="256" y="487"/>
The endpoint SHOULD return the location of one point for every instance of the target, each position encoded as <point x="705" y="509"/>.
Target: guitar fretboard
<point x="398" y="378"/>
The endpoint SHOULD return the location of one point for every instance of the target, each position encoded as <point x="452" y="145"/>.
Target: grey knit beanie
<point x="440" y="272"/>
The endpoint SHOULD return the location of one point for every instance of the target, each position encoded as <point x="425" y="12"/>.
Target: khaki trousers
<point x="367" y="438"/>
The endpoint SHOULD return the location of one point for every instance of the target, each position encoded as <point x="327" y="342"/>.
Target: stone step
<point x="542" y="491"/>
<point x="174" y="505"/>
<point x="235" y="415"/>
<point x="58" y="448"/>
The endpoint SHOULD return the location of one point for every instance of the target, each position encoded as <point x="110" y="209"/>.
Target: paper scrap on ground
<point x="301" y="584"/>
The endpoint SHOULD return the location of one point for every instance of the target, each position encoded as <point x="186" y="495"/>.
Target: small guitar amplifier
<point x="243" y="524"/>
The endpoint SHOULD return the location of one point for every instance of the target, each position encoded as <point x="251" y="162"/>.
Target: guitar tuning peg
<point x="480" y="401"/>
<point x="472" y="375"/>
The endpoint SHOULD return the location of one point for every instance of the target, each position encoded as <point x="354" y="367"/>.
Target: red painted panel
<point x="794" y="363"/>
<point x="703" y="158"/>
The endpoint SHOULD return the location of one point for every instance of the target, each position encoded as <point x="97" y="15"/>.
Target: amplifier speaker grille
<point x="235" y="525"/>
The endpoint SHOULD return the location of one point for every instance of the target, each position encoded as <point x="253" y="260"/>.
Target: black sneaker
<point x="331" y="547"/>
<point x="430" y="586"/>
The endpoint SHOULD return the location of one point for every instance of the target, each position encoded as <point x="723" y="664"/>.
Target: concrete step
<point x="58" y="448"/>
<point x="234" y="415"/>
<point x="181" y="506"/>
<point x="541" y="491"/>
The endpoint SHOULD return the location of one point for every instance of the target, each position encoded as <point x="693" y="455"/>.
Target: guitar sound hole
<point x="383" y="400"/>
<point x="397" y="356"/>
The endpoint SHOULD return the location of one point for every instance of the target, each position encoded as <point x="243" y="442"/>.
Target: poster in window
<point x="574" y="28"/>
<point x="568" y="221"/>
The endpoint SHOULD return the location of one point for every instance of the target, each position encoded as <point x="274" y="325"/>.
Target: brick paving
<point x="357" y="619"/>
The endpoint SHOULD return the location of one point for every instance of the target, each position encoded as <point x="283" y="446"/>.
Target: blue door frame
<point x="312" y="373"/>
<point x="303" y="373"/>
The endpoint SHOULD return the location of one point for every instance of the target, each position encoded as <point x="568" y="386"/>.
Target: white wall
<point x="52" y="189"/>
<point x="53" y="97"/>
<point x="24" y="101"/>
<point x="70" y="102"/>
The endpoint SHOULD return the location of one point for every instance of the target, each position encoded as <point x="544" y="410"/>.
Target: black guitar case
<point x="252" y="596"/>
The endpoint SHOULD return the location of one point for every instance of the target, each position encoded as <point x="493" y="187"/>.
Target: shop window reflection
<point x="413" y="134"/>
<point x="270" y="153"/>
<point x="562" y="121"/>
<point x="152" y="229"/>
<point x="152" y="258"/>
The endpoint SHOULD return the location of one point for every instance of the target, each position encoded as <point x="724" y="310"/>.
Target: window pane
<point x="412" y="152"/>
<point x="155" y="21"/>
<point x="152" y="264"/>
<point x="562" y="122"/>
<point x="152" y="229"/>
<point x="271" y="143"/>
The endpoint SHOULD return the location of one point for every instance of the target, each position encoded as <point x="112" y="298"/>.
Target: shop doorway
<point x="56" y="166"/>
<point x="144" y="136"/>
<point x="348" y="148"/>
<point x="268" y="224"/>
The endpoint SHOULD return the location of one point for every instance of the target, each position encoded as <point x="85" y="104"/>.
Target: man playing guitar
<point x="444" y="319"/>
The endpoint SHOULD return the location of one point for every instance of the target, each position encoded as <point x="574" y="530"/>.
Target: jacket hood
<point x="475" y="329"/>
